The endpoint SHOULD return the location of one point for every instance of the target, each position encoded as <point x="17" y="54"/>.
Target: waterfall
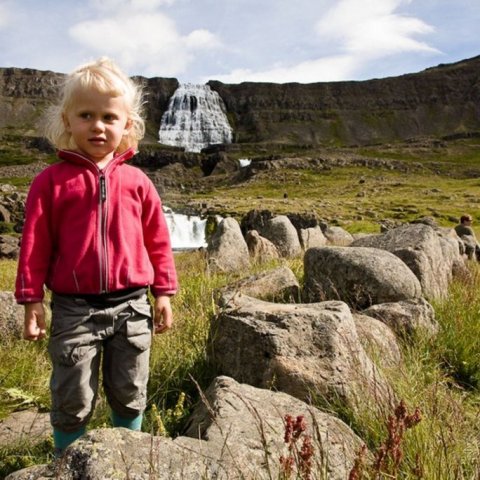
<point x="196" y="118"/>
<point x="187" y="232"/>
<point x="244" y="162"/>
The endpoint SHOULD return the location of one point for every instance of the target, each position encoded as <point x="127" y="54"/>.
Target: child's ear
<point x="66" y="123"/>
<point x="128" y="126"/>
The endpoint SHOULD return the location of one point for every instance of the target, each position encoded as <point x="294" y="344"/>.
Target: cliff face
<point x="439" y="101"/>
<point x="25" y="93"/>
<point x="157" y="95"/>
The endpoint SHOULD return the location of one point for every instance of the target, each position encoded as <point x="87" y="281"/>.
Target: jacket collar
<point x="80" y="159"/>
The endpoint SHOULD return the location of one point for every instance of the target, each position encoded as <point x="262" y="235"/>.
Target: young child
<point x="95" y="235"/>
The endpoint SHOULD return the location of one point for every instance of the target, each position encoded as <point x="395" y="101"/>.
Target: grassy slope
<point x="442" y="182"/>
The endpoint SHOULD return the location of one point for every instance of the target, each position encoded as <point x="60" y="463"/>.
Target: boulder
<point x="312" y="237"/>
<point x="110" y="453"/>
<point x="227" y="250"/>
<point x="337" y="236"/>
<point x="306" y="350"/>
<point x="274" y="285"/>
<point x="260" y="248"/>
<point x="358" y="276"/>
<point x="378" y="340"/>
<point x="248" y="424"/>
<point x="428" y="253"/>
<point x="406" y="318"/>
<point x="11" y="317"/>
<point x="9" y="247"/>
<point x="237" y="432"/>
<point x="29" y="426"/>
<point x="5" y="215"/>
<point x="280" y="231"/>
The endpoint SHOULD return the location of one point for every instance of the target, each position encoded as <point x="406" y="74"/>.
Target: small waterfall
<point x="196" y="118"/>
<point x="244" y="162"/>
<point x="187" y="232"/>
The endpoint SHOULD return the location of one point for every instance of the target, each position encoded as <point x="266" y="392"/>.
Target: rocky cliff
<point x="439" y="101"/>
<point x="25" y="93"/>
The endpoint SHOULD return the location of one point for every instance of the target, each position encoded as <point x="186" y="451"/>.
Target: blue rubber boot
<point x="62" y="440"/>
<point x="134" y="423"/>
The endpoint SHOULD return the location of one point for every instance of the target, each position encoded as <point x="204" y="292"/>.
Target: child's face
<point x="97" y="122"/>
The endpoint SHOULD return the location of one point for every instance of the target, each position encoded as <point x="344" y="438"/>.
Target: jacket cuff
<point x="23" y="301"/>
<point x="158" y="292"/>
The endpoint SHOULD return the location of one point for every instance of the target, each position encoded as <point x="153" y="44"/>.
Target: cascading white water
<point x="196" y="118"/>
<point x="187" y="232"/>
<point x="244" y="162"/>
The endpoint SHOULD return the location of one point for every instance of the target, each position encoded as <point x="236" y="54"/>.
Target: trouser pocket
<point x="139" y="324"/>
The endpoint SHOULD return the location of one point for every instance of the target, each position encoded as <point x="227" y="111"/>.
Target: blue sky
<point x="241" y="40"/>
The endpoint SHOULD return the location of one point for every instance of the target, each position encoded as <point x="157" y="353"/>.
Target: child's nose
<point x="97" y="126"/>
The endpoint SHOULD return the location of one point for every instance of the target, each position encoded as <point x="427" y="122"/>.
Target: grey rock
<point x="29" y="426"/>
<point x="261" y="249"/>
<point x="280" y="231"/>
<point x="112" y="453"/>
<point x="378" y="340"/>
<point x="236" y="432"/>
<point x="312" y="237"/>
<point x="427" y="252"/>
<point x="9" y="246"/>
<point x="11" y="317"/>
<point x="304" y="350"/>
<point x="358" y="276"/>
<point x="227" y="250"/>
<point x="338" y="236"/>
<point x="248" y="424"/>
<point x="274" y="285"/>
<point x="406" y="318"/>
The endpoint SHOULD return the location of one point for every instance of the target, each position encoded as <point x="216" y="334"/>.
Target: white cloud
<point x="372" y="29"/>
<point x="141" y="38"/>
<point x="355" y="33"/>
<point x="323" y="69"/>
<point x="199" y="39"/>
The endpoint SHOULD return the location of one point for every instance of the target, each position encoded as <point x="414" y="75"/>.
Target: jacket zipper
<point x="102" y="254"/>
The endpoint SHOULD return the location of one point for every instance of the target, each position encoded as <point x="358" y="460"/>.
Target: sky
<point x="241" y="40"/>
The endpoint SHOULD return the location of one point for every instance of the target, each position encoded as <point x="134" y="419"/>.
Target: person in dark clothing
<point x="465" y="231"/>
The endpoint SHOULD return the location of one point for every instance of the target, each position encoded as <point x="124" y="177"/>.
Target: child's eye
<point x="110" y="117"/>
<point x="85" y="115"/>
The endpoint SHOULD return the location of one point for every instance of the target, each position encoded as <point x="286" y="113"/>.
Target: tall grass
<point x="440" y="376"/>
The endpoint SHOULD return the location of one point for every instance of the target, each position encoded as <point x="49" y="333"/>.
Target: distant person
<point x="96" y="236"/>
<point x="465" y="232"/>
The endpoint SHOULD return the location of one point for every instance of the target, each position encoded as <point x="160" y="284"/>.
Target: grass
<point x="338" y="195"/>
<point x="446" y="442"/>
<point x="439" y="377"/>
<point x="415" y="180"/>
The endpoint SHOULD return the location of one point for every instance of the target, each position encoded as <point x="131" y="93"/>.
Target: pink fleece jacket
<point x="89" y="231"/>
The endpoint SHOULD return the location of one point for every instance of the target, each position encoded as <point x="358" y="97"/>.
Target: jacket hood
<point x="80" y="159"/>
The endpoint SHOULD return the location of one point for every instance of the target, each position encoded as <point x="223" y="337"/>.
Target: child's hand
<point x="162" y="314"/>
<point x="35" y="327"/>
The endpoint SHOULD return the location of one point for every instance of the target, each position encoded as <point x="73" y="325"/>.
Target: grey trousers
<point x="79" y="336"/>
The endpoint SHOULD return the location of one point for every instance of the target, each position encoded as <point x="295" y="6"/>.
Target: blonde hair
<point x="104" y="76"/>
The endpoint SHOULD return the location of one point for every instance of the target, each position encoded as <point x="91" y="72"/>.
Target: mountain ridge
<point x="438" y="101"/>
